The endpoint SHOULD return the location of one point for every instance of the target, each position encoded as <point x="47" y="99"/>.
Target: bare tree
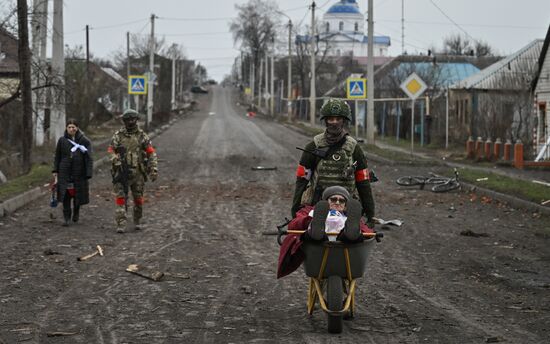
<point x="483" y="48"/>
<point x="456" y="44"/>
<point x="255" y="28"/>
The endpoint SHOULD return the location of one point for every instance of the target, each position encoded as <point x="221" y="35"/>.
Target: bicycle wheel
<point x="410" y="180"/>
<point x="450" y="185"/>
<point x="437" y="180"/>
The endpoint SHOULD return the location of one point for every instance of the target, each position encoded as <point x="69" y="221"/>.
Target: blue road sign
<point x="356" y="88"/>
<point x="137" y="84"/>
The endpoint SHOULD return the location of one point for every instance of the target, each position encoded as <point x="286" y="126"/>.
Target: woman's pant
<point x="67" y="211"/>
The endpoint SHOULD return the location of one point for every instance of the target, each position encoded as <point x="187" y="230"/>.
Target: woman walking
<point x="72" y="167"/>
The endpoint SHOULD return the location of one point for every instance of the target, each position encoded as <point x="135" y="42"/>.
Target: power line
<point x="452" y="21"/>
<point x="195" y="19"/>
<point x="473" y="25"/>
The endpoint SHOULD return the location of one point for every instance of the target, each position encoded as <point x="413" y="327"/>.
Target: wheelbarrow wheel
<point x="335" y="297"/>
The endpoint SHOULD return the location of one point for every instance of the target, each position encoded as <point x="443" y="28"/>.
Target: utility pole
<point x="252" y="81"/>
<point x="57" y="118"/>
<point x="260" y="84"/>
<point x="173" y="101"/>
<point x="151" y="74"/>
<point x="128" y="106"/>
<point x="39" y="29"/>
<point x="87" y="79"/>
<point x="272" y="88"/>
<point x="370" y="77"/>
<point x="25" y="80"/>
<point x="289" y="91"/>
<point x="402" y="27"/>
<point x="312" y="96"/>
<point x="266" y="77"/>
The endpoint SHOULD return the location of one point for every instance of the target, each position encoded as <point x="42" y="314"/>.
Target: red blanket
<point x="291" y="255"/>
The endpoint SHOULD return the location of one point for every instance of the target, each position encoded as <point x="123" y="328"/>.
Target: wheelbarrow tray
<point x="336" y="261"/>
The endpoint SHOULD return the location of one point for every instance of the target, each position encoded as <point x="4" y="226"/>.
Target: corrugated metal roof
<point x="445" y="73"/>
<point x="113" y="74"/>
<point x="514" y="72"/>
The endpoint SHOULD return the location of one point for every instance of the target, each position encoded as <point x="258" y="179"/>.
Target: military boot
<point x="120" y="218"/>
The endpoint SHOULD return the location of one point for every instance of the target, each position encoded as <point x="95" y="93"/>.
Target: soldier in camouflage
<point x="132" y="153"/>
<point x="333" y="158"/>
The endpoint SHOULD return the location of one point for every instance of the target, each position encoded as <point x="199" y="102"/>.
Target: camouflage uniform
<point x="141" y="159"/>
<point x="325" y="164"/>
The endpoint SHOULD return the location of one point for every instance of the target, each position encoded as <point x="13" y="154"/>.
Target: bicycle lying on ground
<point x="440" y="184"/>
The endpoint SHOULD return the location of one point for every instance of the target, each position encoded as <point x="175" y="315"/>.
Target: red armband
<point x="361" y="175"/>
<point x="149" y="150"/>
<point x="302" y="172"/>
<point x="110" y="149"/>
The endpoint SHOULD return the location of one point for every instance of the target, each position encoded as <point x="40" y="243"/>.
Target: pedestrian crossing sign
<point x="356" y="88"/>
<point x="137" y="84"/>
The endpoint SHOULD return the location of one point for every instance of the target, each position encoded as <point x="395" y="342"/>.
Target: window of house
<point x="341" y="26"/>
<point x="356" y="28"/>
<point x="327" y="27"/>
<point x="543" y="123"/>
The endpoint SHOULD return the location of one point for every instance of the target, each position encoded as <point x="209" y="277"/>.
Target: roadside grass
<point x="36" y="177"/>
<point x="520" y="188"/>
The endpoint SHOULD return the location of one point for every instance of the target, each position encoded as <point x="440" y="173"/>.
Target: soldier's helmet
<point x="129" y="113"/>
<point x="336" y="108"/>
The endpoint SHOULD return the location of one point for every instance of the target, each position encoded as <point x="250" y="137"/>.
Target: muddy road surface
<point x="426" y="283"/>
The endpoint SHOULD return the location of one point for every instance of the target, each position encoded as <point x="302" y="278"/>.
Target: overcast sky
<point x="201" y="26"/>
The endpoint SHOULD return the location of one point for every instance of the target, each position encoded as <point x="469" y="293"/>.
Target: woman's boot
<point x="76" y="213"/>
<point x="66" y="217"/>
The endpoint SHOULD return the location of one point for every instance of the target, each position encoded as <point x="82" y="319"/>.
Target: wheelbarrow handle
<point x="376" y="235"/>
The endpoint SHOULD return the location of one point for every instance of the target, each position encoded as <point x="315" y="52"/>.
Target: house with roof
<point x="541" y="94"/>
<point x="342" y="34"/>
<point x="9" y="66"/>
<point x="438" y="72"/>
<point x="343" y="27"/>
<point x="497" y="102"/>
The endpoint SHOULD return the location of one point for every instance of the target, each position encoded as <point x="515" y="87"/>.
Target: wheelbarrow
<point x="332" y="268"/>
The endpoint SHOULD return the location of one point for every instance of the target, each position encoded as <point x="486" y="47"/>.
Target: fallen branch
<point x="60" y="334"/>
<point x="98" y="250"/>
<point x="145" y="272"/>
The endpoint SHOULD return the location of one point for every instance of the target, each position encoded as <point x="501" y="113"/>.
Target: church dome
<point x="344" y="6"/>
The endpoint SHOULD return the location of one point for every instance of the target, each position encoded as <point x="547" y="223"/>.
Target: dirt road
<point x="205" y="217"/>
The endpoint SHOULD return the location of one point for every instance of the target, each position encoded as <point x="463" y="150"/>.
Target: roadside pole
<point x="370" y="76"/>
<point x="356" y="118"/>
<point x="412" y="126"/>
<point x="151" y="73"/>
<point x="447" y="118"/>
<point x="173" y="101"/>
<point x="128" y="106"/>
<point x="289" y="91"/>
<point x="312" y="94"/>
<point x="272" y="88"/>
<point x="260" y="96"/>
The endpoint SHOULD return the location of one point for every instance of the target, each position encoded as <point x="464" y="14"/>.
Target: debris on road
<point x="98" y="250"/>
<point x="143" y="271"/>
<point x="541" y="182"/>
<point x="263" y="168"/>
<point x="545" y="202"/>
<point x="50" y="252"/>
<point x="482" y="179"/>
<point x="473" y="234"/>
<point x="60" y="334"/>
<point x="394" y="222"/>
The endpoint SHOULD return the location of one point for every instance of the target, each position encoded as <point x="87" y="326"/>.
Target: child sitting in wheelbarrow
<point x="336" y="214"/>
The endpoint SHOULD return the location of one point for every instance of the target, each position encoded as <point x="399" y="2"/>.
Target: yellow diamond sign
<point x="413" y="86"/>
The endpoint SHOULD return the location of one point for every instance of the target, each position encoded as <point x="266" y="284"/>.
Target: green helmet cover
<point x="129" y="113"/>
<point x="336" y="108"/>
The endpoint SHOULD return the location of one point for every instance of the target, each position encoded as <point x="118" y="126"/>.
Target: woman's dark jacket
<point x="73" y="167"/>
